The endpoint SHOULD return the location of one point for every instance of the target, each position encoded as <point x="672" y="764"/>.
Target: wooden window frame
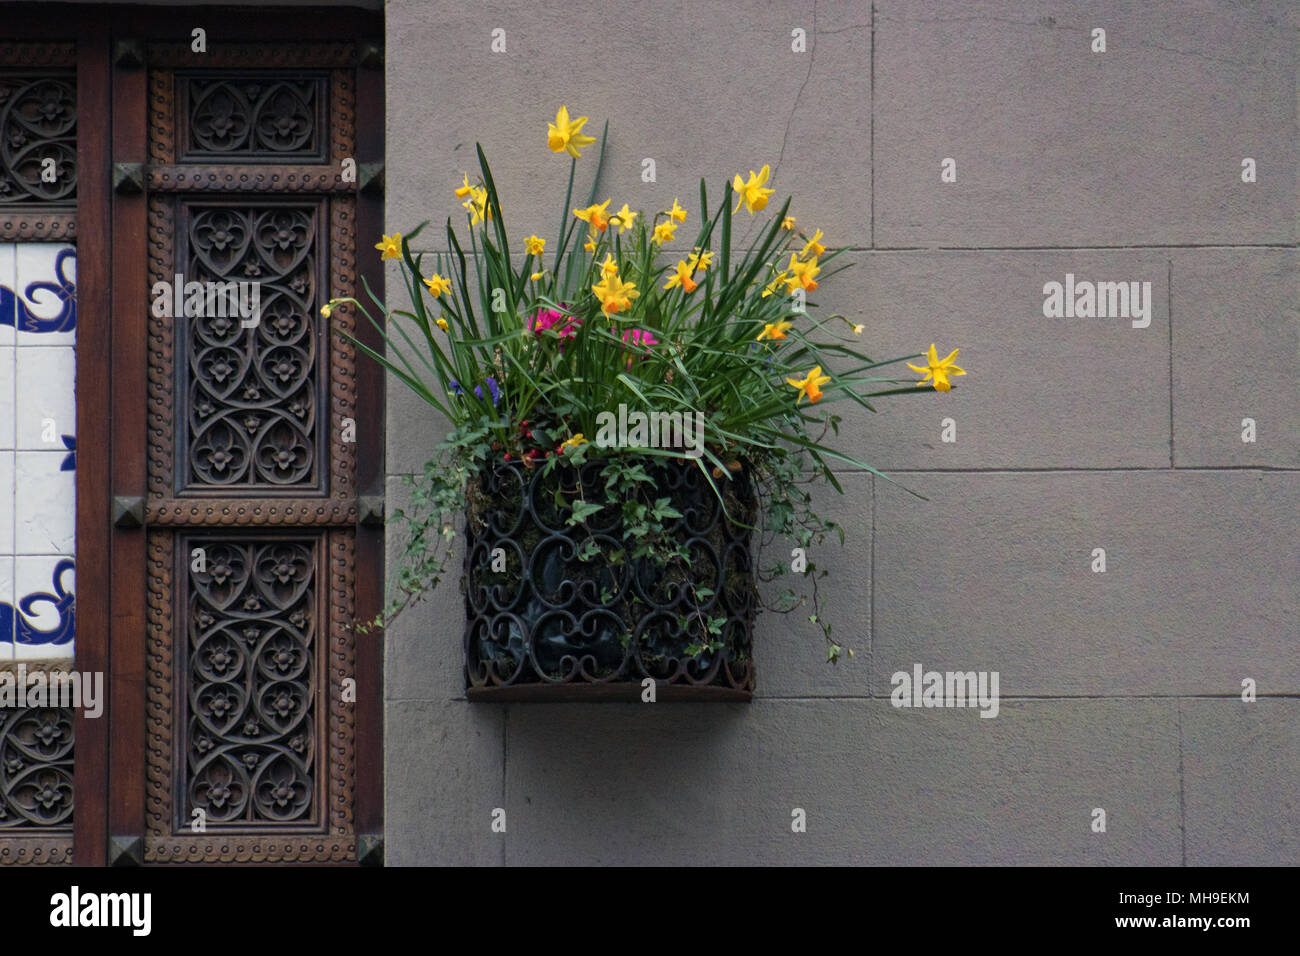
<point x="110" y="785"/>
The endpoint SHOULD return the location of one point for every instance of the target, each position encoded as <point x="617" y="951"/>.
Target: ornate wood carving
<point x="250" y="673"/>
<point x="168" y="838"/>
<point x="248" y="179"/>
<point x="36" y="768"/>
<point x="254" y="394"/>
<point x="252" y="116"/>
<point x="38" y="137"/>
<point x="248" y="658"/>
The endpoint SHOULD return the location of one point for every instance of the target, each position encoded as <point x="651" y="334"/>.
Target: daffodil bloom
<point x="534" y="246"/>
<point x="857" y="329"/>
<point x="940" y="370"/>
<point x="465" y="190"/>
<point x="624" y="217"/>
<point x="682" y="277"/>
<point x="573" y="442"/>
<point x="614" y="294"/>
<point x="441" y="323"/>
<point x="596" y="216"/>
<point x="390" y="246"/>
<point x="609" y="267"/>
<point x="780" y="277"/>
<point x="787" y="223"/>
<point x="677" y="213"/>
<point x="751" y="194"/>
<point x="813" y="247"/>
<point x="326" y="309"/>
<point x="590" y="244"/>
<point x="811" y="386"/>
<point x="477" y="205"/>
<point x="563" y="135"/>
<point x="700" y="261"/>
<point x="438" y="285"/>
<point x="664" y="232"/>
<point x="774" y="330"/>
<point x="805" y="273"/>
<point x="537" y="275"/>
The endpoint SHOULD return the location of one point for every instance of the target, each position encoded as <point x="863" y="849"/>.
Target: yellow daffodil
<point x="573" y="442"/>
<point x="537" y="275"/>
<point x="751" y="193"/>
<point x="624" y="217"/>
<point x="811" y="386"/>
<point x="590" y="244"/>
<point x="327" y="308"/>
<point x="390" y="246"/>
<point x="596" y="216"/>
<point x="700" y="261"/>
<point x="609" y="267"/>
<point x="813" y="247"/>
<point x="940" y="370"/>
<point x="770" y="288"/>
<point x="664" y="232"/>
<point x="563" y="135"/>
<point x="677" y="213"/>
<point x="438" y="285"/>
<point x="805" y="273"/>
<point x="857" y="329"/>
<point x="787" y="223"/>
<point x="534" y="246"/>
<point x="682" y="277"/>
<point x="774" y="330"/>
<point x="465" y="190"/>
<point x="441" y="323"/>
<point x="614" y="294"/>
<point x="477" y="205"/>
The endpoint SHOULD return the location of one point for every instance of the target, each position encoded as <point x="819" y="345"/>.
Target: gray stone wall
<point x="1119" y="690"/>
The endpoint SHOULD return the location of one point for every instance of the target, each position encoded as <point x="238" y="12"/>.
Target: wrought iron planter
<point x="543" y="623"/>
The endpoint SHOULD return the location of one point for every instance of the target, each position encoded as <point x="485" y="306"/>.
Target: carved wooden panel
<point x="36" y="768"/>
<point x="254" y="394"/>
<point x="38" y="142"/>
<point x="252" y="117"/>
<point x="250" y="674"/>
<point x="249" y="647"/>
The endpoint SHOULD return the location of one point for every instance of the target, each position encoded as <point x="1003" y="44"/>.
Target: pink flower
<point x="641" y="338"/>
<point x="549" y="318"/>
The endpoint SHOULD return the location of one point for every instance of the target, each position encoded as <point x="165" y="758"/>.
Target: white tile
<point x="46" y="293"/>
<point x="8" y="390"/>
<point x="44" y="588"/>
<point x="8" y="285"/>
<point x="46" y="402"/>
<point x="6" y="503"/>
<point x="44" y="504"/>
<point x="6" y="607"/>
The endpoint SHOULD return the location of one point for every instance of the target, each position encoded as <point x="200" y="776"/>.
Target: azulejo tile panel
<point x="38" y="320"/>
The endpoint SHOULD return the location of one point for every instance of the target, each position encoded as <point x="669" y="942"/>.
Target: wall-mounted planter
<point x="544" y="624"/>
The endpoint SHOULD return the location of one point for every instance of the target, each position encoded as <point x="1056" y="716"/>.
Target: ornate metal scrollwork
<point x="254" y="392"/>
<point x="252" y="116"/>
<point x="36" y="769"/>
<point x="251" y="676"/>
<point x="538" y="613"/>
<point x="38" y="138"/>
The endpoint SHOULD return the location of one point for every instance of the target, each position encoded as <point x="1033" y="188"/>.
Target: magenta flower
<point x="641" y="338"/>
<point x="549" y="318"/>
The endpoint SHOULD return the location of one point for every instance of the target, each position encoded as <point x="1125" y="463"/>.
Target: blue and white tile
<point x="6" y="607"/>
<point x="44" y="504"/>
<point x="8" y="295"/>
<point x="46" y="287"/>
<point x="7" y="509"/>
<point x="46" y="402"/>
<point x="44" y="608"/>
<point x="8" y="392"/>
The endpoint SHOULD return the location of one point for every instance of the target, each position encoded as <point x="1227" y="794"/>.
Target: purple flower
<point x="493" y="388"/>
<point x="455" y="387"/>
